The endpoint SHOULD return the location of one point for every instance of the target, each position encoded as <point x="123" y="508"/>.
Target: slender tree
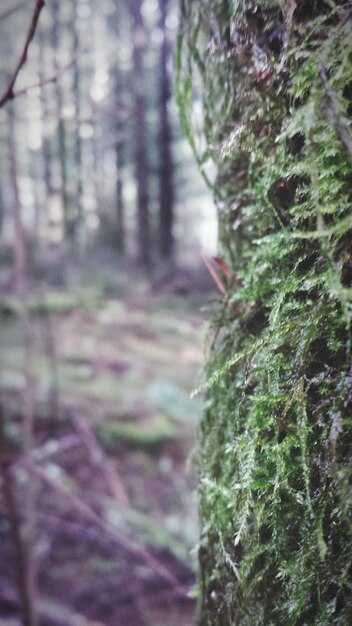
<point x="2" y="206"/>
<point x="44" y="112"/>
<point x="69" y="229"/>
<point x="78" y="209"/>
<point x="24" y="542"/>
<point x="139" y="38"/>
<point x="120" y="151"/>
<point x="166" y="186"/>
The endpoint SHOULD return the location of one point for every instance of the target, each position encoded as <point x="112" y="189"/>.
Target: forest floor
<point x="113" y="457"/>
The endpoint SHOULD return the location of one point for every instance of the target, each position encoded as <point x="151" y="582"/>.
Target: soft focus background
<point x="103" y="295"/>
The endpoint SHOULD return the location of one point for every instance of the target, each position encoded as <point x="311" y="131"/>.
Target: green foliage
<point x="276" y="439"/>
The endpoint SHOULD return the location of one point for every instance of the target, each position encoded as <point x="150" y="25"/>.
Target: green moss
<point x="151" y="432"/>
<point x="276" y="440"/>
<point x="54" y="302"/>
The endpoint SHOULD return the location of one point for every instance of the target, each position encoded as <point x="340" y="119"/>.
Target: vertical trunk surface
<point x="120" y="163"/>
<point x="166" y="189"/>
<point x="23" y="532"/>
<point x="140" y="134"/>
<point x="61" y="129"/>
<point x="276" y="436"/>
<point x="79" y="217"/>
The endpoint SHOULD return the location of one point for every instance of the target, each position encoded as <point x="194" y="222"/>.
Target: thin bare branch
<point x="99" y="459"/>
<point x="59" y="614"/>
<point x="46" y="81"/>
<point x="50" y="611"/>
<point x="125" y="543"/>
<point x="9" y="91"/>
<point x="54" y="447"/>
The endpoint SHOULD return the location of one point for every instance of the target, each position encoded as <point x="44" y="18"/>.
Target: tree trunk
<point x="276" y="436"/>
<point x="2" y="207"/>
<point x="44" y="113"/>
<point x="79" y="217"/>
<point x="166" y="188"/>
<point x="23" y="541"/>
<point x="69" y="227"/>
<point x="140" y="135"/>
<point x="120" y="163"/>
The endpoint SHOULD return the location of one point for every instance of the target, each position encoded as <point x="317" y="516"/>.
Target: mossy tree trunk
<point x="276" y="438"/>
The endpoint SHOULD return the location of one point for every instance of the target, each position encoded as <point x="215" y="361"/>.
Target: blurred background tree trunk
<point x="61" y="127"/>
<point x="139" y="37"/>
<point x="80" y="225"/>
<point x="166" y="183"/>
<point x="120" y="163"/>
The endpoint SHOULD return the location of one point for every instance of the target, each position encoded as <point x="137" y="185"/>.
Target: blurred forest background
<point x="103" y="217"/>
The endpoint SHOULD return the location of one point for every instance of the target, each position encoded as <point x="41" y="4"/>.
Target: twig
<point x="9" y="92"/>
<point x="22" y="556"/>
<point x="61" y="615"/>
<point x="98" y="458"/>
<point x="216" y="278"/>
<point x="46" y="81"/>
<point x="125" y="543"/>
<point x="79" y="530"/>
<point x="54" y="447"/>
<point x="50" y="611"/>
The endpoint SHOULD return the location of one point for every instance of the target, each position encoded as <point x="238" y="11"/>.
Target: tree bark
<point x="23" y="538"/>
<point x="276" y="435"/>
<point x="166" y="186"/>
<point x="69" y="227"/>
<point x="120" y="163"/>
<point x="140" y="135"/>
<point x="79" y="217"/>
<point x="2" y="206"/>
